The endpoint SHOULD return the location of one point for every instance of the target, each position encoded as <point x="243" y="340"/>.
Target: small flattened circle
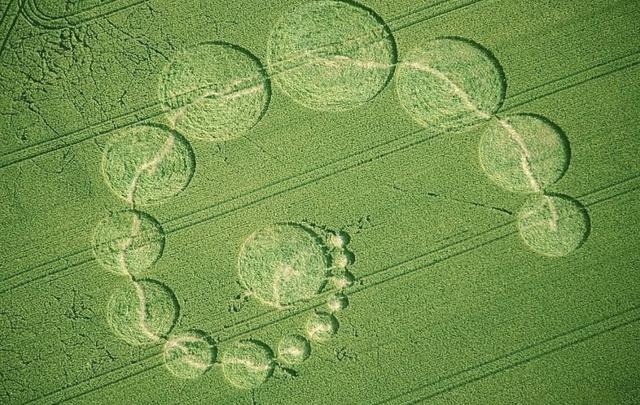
<point x="128" y="242"/>
<point x="450" y="84"/>
<point x="293" y="349"/>
<point x="331" y="55"/>
<point x="321" y="326"/>
<point x="247" y="364"/>
<point x="216" y="91"/>
<point x="337" y="302"/>
<point x="553" y="225"/>
<point x="523" y="152"/>
<point x="147" y="164"/>
<point x="283" y="264"/>
<point x="343" y="280"/>
<point x="189" y="355"/>
<point x="142" y="312"/>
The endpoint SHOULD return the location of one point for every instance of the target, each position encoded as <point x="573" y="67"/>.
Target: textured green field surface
<point x="449" y="307"/>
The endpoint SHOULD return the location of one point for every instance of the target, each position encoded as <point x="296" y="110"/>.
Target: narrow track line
<point x="6" y="11"/>
<point x="414" y="19"/>
<point x="142" y="366"/>
<point x="7" y="32"/>
<point x="282" y="186"/>
<point x="573" y="80"/>
<point x="519" y="357"/>
<point x="38" y="19"/>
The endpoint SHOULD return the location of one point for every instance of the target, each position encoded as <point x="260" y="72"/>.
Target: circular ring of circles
<point x="326" y="55"/>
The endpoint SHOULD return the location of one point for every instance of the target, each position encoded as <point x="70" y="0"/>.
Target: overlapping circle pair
<point x="330" y="56"/>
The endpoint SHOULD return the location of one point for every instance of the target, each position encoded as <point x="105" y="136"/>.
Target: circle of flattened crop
<point x="321" y="326"/>
<point x="293" y="349"/>
<point x="450" y="84"/>
<point x="147" y="164"/>
<point x="523" y="152"/>
<point x="247" y="364"/>
<point x="553" y="225"/>
<point x="216" y="91"/>
<point x="128" y="242"/>
<point x="188" y="355"/>
<point x="331" y="55"/>
<point x="142" y="312"/>
<point x="282" y="264"/>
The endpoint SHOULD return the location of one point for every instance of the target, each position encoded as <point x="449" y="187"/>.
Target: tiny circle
<point x="142" y="312"/>
<point x="293" y="349"/>
<point x="553" y="225"/>
<point x="523" y="152"/>
<point x="331" y="55"/>
<point x="128" y="243"/>
<point x="321" y="326"/>
<point x="450" y="84"/>
<point x="341" y="261"/>
<point x="147" y="164"/>
<point x="337" y="302"/>
<point x="282" y="264"/>
<point x="215" y="91"/>
<point x="247" y="364"/>
<point x="337" y="240"/>
<point x="188" y="355"/>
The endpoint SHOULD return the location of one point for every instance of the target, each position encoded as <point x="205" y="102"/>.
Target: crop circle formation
<point x="329" y="56"/>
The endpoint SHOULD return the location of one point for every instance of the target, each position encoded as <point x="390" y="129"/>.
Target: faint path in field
<point x="516" y="358"/>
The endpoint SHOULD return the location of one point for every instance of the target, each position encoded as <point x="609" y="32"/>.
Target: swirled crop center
<point x="147" y="164"/>
<point x="450" y="84"/>
<point x="216" y="91"/>
<point x="283" y="264"/>
<point x="331" y="55"/>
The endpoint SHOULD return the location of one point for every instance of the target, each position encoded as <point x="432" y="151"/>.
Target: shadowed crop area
<point x="319" y="202"/>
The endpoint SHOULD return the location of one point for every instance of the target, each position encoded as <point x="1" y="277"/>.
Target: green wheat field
<point x="320" y="202"/>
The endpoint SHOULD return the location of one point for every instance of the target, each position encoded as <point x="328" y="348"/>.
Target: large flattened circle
<point x="331" y="55"/>
<point x="128" y="242"/>
<point x="523" y="152"/>
<point x="216" y="91"/>
<point x="450" y="84"/>
<point x="189" y="355"/>
<point x="553" y="225"/>
<point x="247" y="364"/>
<point x="282" y="264"/>
<point x="143" y="312"/>
<point x="147" y="164"/>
